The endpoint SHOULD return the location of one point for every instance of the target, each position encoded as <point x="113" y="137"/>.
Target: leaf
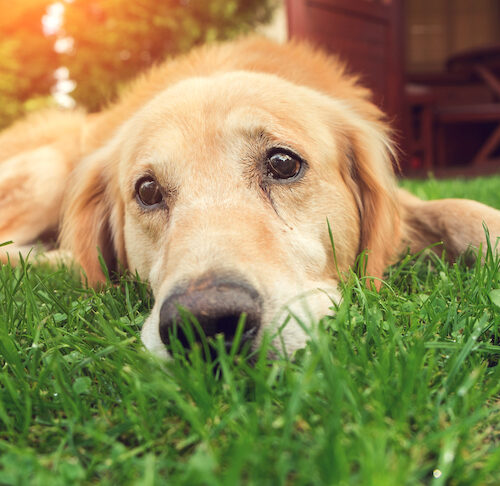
<point x="495" y="297"/>
<point x="58" y="317"/>
<point x="81" y="385"/>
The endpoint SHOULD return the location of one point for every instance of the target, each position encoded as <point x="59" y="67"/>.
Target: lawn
<point x="401" y="387"/>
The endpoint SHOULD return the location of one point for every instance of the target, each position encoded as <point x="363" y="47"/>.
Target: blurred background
<point x="433" y="65"/>
<point x="70" y="52"/>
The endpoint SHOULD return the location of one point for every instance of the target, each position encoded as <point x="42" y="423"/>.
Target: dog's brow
<point x="266" y="139"/>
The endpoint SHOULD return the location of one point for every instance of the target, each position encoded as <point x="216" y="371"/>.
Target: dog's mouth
<point x="223" y="312"/>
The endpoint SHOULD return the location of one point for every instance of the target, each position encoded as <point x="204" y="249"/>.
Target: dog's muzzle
<point x="217" y="303"/>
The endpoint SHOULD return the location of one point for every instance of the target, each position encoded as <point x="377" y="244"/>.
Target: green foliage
<point x="114" y="40"/>
<point x="483" y="189"/>
<point x="130" y="36"/>
<point x="27" y="59"/>
<point x="400" y="387"/>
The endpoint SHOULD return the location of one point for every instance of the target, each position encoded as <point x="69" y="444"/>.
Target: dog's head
<point x="220" y="192"/>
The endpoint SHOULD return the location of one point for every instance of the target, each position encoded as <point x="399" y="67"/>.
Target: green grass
<point x="401" y="386"/>
<point x="483" y="189"/>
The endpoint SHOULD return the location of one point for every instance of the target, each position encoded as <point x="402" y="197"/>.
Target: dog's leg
<point x="36" y="253"/>
<point x="33" y="181"/>
<point x="31" y="192"/>
<point x="457" y="223"/>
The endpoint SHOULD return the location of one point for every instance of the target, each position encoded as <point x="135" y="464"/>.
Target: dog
<point x="221" y="177"/>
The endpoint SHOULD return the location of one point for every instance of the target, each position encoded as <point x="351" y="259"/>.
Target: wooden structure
<point x="480" y="64"/>
<point x="366" y="34"/>
<point x="447" y="116"/>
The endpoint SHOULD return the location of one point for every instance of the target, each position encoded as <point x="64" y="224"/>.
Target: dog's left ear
<point x="93" y="215"/>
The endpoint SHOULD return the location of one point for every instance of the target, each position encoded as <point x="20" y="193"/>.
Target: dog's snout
<point x="217" y="304"/>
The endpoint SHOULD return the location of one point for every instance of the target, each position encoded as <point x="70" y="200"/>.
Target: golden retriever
<point x="215" y="177"/>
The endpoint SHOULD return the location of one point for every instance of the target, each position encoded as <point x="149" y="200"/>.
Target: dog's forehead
<point x="225" y="90"/>
<point x="203" y="128"/>
<point x="219" y="107"/>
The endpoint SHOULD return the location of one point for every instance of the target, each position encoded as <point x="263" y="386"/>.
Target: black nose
<point x="217" y="304"/>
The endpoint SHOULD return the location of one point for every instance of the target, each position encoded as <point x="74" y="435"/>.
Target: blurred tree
<point x="108" y="42"/>
<point x="27" y="58"/>
<point x="116" y="39"/>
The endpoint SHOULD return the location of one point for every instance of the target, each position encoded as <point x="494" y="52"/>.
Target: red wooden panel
<point x="359" y="40"/>
<point x="367" y="34"/>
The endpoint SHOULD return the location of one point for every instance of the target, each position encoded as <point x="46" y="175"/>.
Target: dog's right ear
<point x="93" y="215"/>
<point x="457" y="223"/>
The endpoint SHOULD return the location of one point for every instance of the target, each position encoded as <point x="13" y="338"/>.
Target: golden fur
<point x="201" y="124"/>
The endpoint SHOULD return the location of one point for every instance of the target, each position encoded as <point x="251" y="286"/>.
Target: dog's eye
<point x="282" y="165"/>
<point x="148" y="192"/>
